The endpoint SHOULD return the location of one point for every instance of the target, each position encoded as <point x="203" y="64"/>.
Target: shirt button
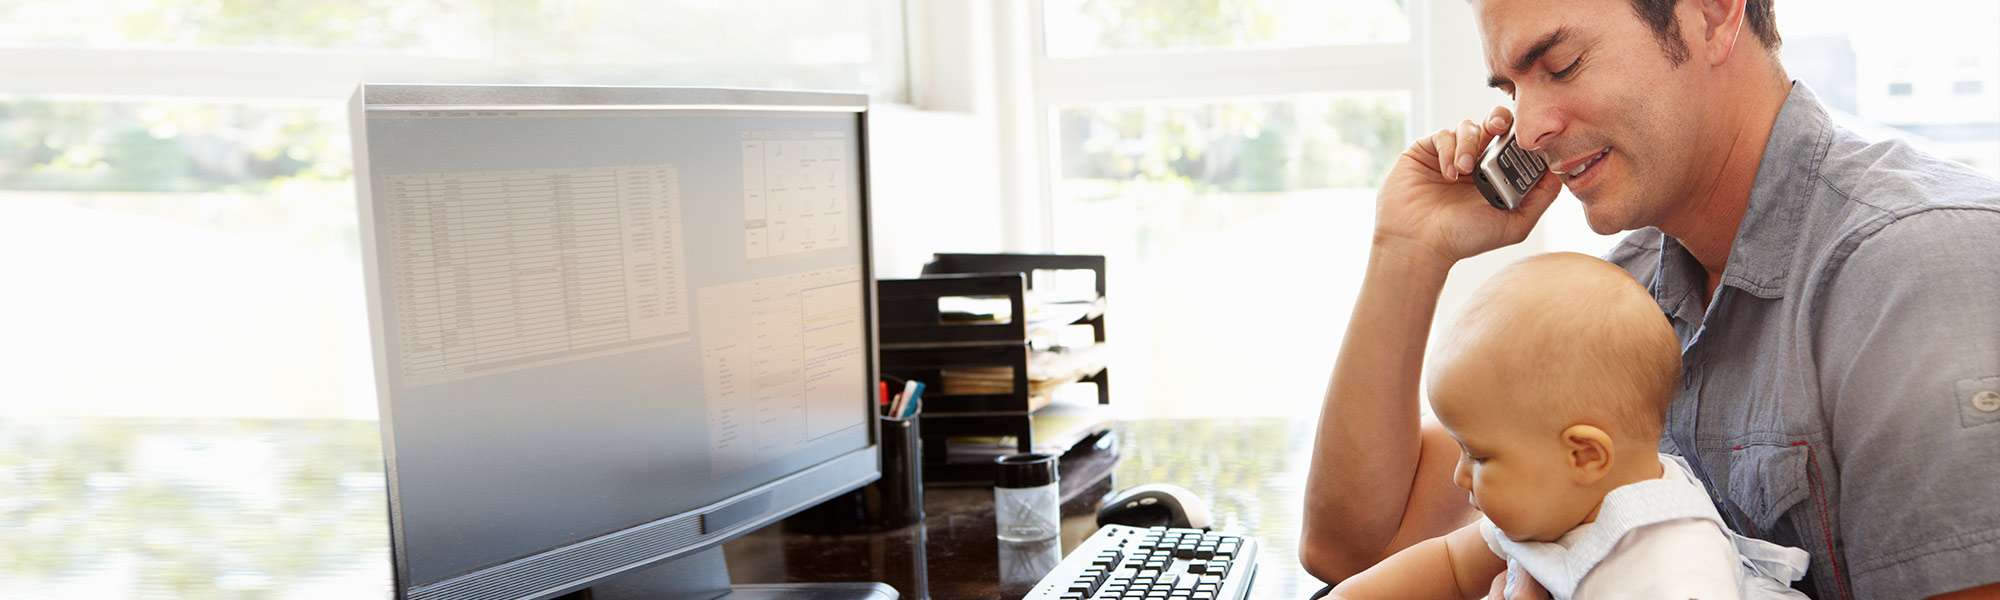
<point x="1986" y="401"/>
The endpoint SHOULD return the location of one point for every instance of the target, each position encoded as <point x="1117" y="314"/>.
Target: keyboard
<point x="1156" y="563"/>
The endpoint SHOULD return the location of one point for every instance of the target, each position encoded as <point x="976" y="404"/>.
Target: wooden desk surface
<point x="295" y="509"/>
<point x="1251" y="471"/>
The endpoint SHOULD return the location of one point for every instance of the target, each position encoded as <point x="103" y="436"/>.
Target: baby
<point x="1556" y="384"/>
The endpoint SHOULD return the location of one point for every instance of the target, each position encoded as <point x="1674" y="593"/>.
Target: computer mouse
<point x="1154" y="505"/>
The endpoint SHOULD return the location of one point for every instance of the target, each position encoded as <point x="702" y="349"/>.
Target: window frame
<point x="228" y="75"/>
<point x="1192" y="76"/>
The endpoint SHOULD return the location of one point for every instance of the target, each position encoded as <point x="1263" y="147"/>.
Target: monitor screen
<point x="590" y="318"/>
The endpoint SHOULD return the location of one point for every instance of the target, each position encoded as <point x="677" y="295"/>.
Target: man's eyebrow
<point x="1534" y="53"/>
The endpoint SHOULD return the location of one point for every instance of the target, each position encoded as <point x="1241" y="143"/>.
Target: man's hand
<point x="1516" y="584"/>
<point x="1428" y="203"/>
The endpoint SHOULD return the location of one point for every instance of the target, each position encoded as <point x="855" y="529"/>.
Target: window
<point x="1236" y="229"/>
<point x="194" y="155"/>
<point x="1223" y="156"/>
<point x="1913" y="56"/>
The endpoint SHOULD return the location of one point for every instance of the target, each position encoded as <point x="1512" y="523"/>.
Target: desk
<point x="295" y="509"/>
<point x="1252" y="472"/>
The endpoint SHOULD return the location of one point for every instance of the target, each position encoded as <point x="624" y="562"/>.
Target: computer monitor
<point x="613" y="327"/>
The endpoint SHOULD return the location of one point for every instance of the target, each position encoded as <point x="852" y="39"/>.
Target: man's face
<point x="1598" y="97"/>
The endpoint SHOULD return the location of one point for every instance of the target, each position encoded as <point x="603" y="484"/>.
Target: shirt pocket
<point x="1766" y="481"/>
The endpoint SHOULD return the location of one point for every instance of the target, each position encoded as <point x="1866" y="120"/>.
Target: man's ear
<point x="1589" y="453"/>
<point x="1720" y="26"/>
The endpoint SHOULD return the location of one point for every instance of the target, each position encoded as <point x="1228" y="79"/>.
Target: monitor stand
<point x="705" y="575"/>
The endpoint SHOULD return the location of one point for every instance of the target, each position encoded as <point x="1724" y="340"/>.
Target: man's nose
<point x="1537" y="123"/>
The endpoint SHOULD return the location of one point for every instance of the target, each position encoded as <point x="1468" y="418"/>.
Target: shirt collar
<point x="1760" y="257"/>
<point x="1677" y="281"/>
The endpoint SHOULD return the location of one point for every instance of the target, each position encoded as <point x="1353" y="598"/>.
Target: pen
<point x="912" y="395"/>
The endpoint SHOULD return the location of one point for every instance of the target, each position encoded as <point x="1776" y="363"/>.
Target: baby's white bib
<point x="1659" y="538"/>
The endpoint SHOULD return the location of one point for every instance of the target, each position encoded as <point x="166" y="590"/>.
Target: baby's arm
<point x="1415" y="571"/>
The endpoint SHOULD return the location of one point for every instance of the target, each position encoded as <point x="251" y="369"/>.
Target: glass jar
<point x="1026" y="504"/>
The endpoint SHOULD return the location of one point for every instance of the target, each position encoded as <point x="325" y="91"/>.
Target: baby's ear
<point x="1589" y="453"/>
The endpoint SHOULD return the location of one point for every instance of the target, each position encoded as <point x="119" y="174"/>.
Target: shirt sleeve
<point x="1907" y="348"/>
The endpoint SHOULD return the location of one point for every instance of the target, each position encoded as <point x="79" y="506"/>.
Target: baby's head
<point x="1555" y="383"/>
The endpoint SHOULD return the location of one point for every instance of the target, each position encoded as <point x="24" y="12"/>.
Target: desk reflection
<point x="1251" y="471"/>
<point x="1022" y="564"/>
<point x="294" y="508"/>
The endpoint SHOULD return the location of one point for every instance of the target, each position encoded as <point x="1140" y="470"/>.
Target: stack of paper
<point x="1047" y="370"/>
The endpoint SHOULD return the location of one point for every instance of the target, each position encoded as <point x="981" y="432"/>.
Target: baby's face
<point x="1515" y="469"/>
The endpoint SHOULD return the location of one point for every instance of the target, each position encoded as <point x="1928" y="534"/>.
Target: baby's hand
<point x="1515" y="584"/>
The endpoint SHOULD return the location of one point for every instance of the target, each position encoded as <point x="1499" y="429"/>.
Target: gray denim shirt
<point x="1841" y="393"/>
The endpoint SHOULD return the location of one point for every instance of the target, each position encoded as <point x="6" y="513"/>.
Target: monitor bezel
<point x="792" y="493"/>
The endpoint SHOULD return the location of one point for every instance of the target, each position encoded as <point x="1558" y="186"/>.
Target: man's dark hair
<point x="1659" y="15"/>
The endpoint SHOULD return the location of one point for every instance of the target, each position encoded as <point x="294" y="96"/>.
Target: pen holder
<point x="894" y="501"/>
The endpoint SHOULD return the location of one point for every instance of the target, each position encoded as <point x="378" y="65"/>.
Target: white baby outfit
<point x="1659" y="538"/>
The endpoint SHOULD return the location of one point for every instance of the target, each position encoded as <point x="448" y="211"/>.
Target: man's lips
<point x="1576" y="166"/>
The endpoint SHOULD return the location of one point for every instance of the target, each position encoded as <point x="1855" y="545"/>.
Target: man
<point x="1837" y="302"/>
